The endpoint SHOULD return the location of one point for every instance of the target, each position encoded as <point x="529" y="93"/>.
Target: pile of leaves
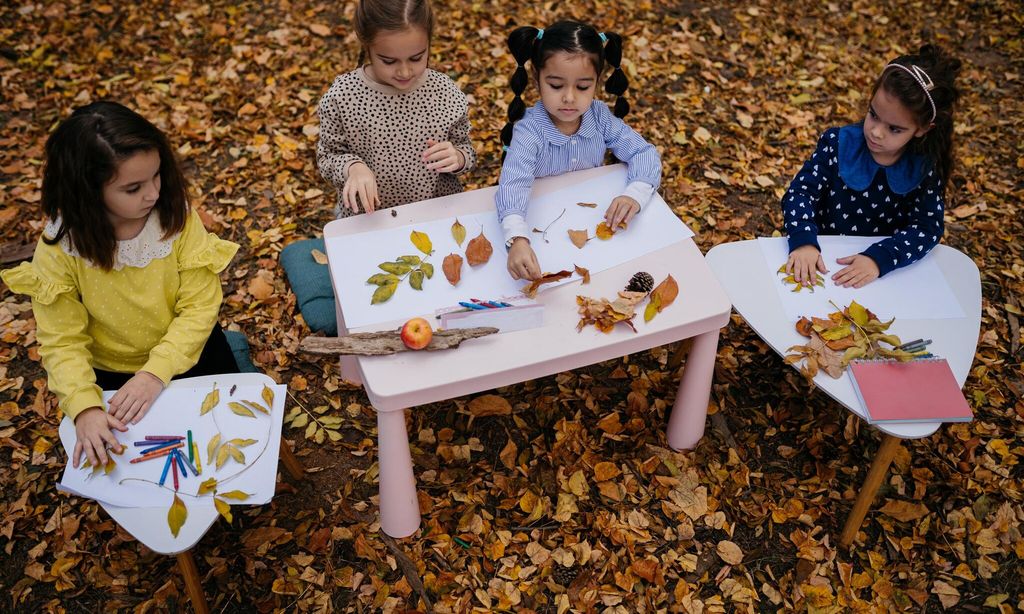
<point x="605" y="314"/>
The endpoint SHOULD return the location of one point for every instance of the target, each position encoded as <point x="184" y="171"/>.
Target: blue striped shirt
<point x="539" y="149"/>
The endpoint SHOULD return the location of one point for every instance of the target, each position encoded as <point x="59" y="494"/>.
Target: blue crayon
<point x="159" y="445"/>
<point x="188" y="464"/>
<point x="167" y="466"/>
<point x="471" y="305"/>
<point x="181" y="464"/>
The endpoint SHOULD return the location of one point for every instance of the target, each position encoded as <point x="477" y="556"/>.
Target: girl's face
<point x="133" y="191"/>
<point x="567" y="84"/>
<point x="888" y="127"/>
<point x="399" y="57"/>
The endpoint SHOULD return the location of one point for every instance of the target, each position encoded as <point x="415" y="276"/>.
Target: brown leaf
<point x="604" y="231"/>
<point x="452" y="267"/>
<point x="665" y="292"/>
<point x="320" y="30"/>
<point x="531" y="290"/>
<point x="578" y="238"/>
<point x="584" y="273"/>
<point x="605" y="471"/>
<point x="261" y="287"/>
<point x="318" y="256"/>
<point x="489" y="405"/>
<point x="508" y="454"/>
<point x="904" y="511"/>
<point x="479" y="250"/>
<point x="588" y="205"/>
<point x="729" y="552"/>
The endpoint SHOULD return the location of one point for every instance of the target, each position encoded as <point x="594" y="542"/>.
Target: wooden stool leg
<point x="291" y="464"/>
<point x="193" y="584"/>
<point x="879" y="467"/>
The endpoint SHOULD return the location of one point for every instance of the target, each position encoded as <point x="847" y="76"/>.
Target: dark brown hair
<point x="82" y="156"/>
<point x="527" y="43"/>
<point x="375" y="16"/>
<point x="942" y="69"/>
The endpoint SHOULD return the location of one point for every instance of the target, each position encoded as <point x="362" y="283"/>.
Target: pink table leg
<point x="690" y="411"/>
<point x="399" y="507"/>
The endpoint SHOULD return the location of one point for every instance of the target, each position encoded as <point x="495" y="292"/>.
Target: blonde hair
<point x="374" y="16"/>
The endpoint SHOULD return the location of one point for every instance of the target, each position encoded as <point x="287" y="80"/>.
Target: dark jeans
<point x="215" y="359"/>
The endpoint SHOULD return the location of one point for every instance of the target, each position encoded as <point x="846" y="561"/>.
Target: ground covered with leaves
<point x="561" y="492"/>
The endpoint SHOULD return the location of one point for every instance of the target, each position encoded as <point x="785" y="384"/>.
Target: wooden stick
<point x="879" y="467"/>
<point x="193" y="584"/>
<point x="291" y="464"/>
<point x="388" y="342"/>
<point x="14" y="252"/>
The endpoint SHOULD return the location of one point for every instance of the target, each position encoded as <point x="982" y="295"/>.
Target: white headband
<point x="922" y="79"/>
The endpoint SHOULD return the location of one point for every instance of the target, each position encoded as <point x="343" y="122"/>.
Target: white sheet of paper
<point x="918" y="291"/>
<point x="359" y="254"/>
<point x="176" y="411"/>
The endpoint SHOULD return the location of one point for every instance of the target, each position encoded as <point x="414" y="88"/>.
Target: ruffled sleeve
<point x="201" y="256"/>
<point x="61" y="326"/>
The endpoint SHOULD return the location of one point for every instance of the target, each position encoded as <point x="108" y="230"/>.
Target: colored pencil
<point x="167" y="467"/>
<point x="188" y="464"/>
<point x="181" y="463"/>
<point x="157" y="454"/>
<point x="153" y="446"/>
<point x="174" y="471"/>
<point x="190" y="444"/>
<point x="163" y="438"/>
<point x="199" y="463"/>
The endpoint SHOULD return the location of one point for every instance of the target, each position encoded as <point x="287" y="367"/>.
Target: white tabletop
<point x="753" y="294"/>
<point x="408" y="379"/>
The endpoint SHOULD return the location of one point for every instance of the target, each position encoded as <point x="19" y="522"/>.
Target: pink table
<point x="395" y="383"/>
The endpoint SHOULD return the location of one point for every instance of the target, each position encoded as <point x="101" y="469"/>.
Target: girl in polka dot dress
<point x="884" y="176"/>
<point x="393" y="131"/>
<point x="567" y="130"/>
<point x="124" y="281"/>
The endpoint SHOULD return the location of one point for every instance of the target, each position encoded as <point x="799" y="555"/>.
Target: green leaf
<point x="177" y="515"/>
<point x="211" y="448"/>
<point x="208" y="486"/>
<point x="413" y="260"/>
<point x="416" y="279"/>
<point x="210" y="402"/>
<point x="379" y="279"/>
<point x="397" y="268"/>
<point x="458" y="232"/>
<point x="421" y="241"/>
<point x="428" y="269"/>
<point x="383" y="293"/>
<point x="223" y="509"/>
<point x="268" y="395"/>
<point x="241" y="410"/>
<point x="237" y="495"/>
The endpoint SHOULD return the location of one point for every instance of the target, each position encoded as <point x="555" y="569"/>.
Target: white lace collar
<point x="145" y="247"/>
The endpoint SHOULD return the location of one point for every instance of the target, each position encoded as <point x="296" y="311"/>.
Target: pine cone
<point x="641" y="282"/>
<point x="563" y="576"/>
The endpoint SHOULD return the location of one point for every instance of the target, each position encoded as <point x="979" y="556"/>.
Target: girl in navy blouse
<point x="567" y="130"/>
<point x="884" y="176"/>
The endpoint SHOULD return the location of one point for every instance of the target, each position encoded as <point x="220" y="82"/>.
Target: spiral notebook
<point x="923" y="390"/>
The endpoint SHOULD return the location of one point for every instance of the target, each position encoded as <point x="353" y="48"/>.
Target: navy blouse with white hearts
<point x="842" y="190"/>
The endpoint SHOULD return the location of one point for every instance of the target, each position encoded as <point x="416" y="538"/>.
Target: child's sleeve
<point x="643" y="162"/>
<point x="201" y="257"/>
<point x="800" y="203"/>
<point x="61" y="327"/>
<point x="516" y="181"/>
<point x="910" y="244"/>
<point x="458" y="134"/>
<point x="333" y="152"/>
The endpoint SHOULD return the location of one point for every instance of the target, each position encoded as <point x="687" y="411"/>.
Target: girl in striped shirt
<point x="567" y="130"/>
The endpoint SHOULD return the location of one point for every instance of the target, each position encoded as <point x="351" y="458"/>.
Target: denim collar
<point x="857" y="168"/>
<point x="587" y="129"/>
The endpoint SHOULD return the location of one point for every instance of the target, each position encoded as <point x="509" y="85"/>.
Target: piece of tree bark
<point x="388" y="342"/>
<point x="14" y="252"/>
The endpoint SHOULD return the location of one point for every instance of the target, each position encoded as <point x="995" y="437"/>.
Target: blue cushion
<point x="311" y="283"/>
<point x="240" y="348"/>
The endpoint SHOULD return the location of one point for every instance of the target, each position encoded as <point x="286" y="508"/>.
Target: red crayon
<point x="174" y="470"/>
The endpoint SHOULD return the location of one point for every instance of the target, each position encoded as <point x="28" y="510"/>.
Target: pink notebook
<point x="922" y="390"/>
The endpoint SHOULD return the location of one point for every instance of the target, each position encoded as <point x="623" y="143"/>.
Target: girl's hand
<point x="362" y="184"/>
<point x="622" y="209"/>
<point x="802" y="264"/>
<point x="860" y="271"/>
<point x="443" y="157"/>
<point x="522" y="262"/>
<point x="133" y="400"/>
<point x="92" y="428"/>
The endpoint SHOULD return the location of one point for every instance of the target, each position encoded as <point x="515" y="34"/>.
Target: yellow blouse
<point x="154" y="313"/>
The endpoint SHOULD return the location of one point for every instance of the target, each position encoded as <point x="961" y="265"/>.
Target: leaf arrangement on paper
<point x="409" y="267"/>
<point x="790" y="279"/>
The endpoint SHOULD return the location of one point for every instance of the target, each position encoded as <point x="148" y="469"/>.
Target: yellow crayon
<point x="199" y="463"/>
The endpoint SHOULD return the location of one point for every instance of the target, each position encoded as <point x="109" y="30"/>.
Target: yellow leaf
<point x="210" y="402"/>
<point x="383" y="293"/>
<point x="458" y="232"/>
<point x="223" y="509"/>
<point x="241" y="410"/>
<point x="838" y="332"/>
<point x="237" y="495"/>
<point x="652" y="309"/>
<point x="268" y="395"/>
<point x="211" y="448"/>
<point x="208" y="486"/>
<point x="604" y="232"/>
<point x="236" y="454"/>
<point x="858" y="314"/>
<point x="421" y="241"/>
<point x="241" y="443"/>
<point x="256" y="406"/>
<point x="319" y="256"/>
<point x="177" y="515"/>
<point x="109" y="467"/>
<point x="222" y="456"/>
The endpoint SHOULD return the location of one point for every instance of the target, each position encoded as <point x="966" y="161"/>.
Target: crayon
<point x="181" y="463"/>
<point x="174" y="471"/>
<point x="163" y="438"/>
<point x="473" y="306"/>
<point x="153" y="446"/>
<point x="157" y="454"/>
<point x="167" y="467"/>
<point x="188" y="464"/>
<point x="189" y="447"/>
<point x="199" y="463"/>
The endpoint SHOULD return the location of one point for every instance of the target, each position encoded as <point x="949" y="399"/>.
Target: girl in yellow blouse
<point x="124" y="281"/>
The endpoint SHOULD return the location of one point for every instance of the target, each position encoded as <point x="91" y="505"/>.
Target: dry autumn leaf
<point x="241" y="410"/>
<point x="318" y="256"/>
<point x="458" y="232"/>
<point x="663" y="295"/>
<point x="582" y="272"/>
<point x="604" y="231"/>
<point x="223" y="508"/>
<point x="578" y="238"/>
<point x="177" y="515"/>
<point x="479" y="250"/>
<point x="211" y="401"/>
<point x="547" y="278"/>
<point x="421" y="241"/>
<point x="587" y="205"/>
<point x="729" y="552"/>
<point x="452" y="268"/>
<point x="489" y="405"/>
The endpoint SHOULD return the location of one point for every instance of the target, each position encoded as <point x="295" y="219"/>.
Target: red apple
<point x="416" y="334"/>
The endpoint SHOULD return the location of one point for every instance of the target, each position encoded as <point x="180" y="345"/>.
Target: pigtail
<point x="520" y="42"/>
<point x="617" y="81"/>
<point x="938" y="143"/>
